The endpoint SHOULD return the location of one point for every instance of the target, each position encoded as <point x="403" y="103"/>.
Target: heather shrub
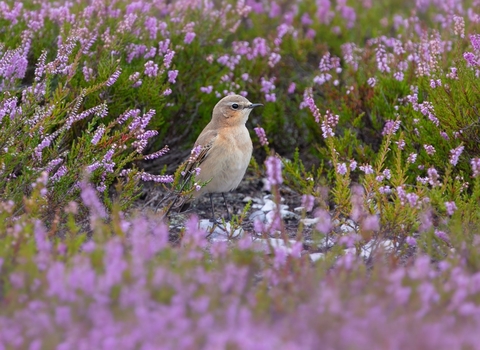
<point x="127" y="287"/>
<point x="370" y="124"/>
<point x="73" y="111"/>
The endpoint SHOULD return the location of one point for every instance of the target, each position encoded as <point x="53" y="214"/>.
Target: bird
<point x="222" y="151"/>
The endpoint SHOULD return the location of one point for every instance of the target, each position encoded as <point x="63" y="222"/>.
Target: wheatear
<point x="223" y="150"/>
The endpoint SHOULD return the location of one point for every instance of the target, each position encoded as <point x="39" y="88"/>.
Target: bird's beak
<point x="253" y="105"/>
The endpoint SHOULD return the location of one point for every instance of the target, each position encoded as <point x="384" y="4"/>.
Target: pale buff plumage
<point x="226" y="146"/>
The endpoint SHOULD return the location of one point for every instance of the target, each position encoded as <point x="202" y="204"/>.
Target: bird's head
<point x="232" y="110"/>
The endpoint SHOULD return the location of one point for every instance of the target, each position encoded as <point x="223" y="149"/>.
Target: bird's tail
<point x="183" y="190"/>
<point x="184" y="187"/>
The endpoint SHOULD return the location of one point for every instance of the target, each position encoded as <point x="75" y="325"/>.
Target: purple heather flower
<point x="151" y="25"/>
<point x="113" y="78"/>
<point x="402" y="195"/>
<point x="399" y="76"/>
<point x="155" y="178"/>
<point x="342" y="168"/>
<point x="135" y="51"/>
<point x="206" y="89"/>
<point x="471" y="59"/>
<point x="151" y="69"/>
<point x="274" y="172"/>
<point x="91" y="200"/>
<point x="412" y="242"/>
<point x="324" y="224"/>
<point x="141" y="122"/>
<point x="92" y="167"/>
<point x="9" y="108"/>
<point x="271" y="97"/>
<point x="313" y="108"/>
<point x="350" y="240"/>
<point x="329" y="122"/>
<point x="382" y="59"/>
<point x="357" y="202"/>
<point x="353" y="165"/>
<point x="261" y="135"/>
<point x="172" y="76"/>
<point x="371" y="223"/>
<point x="435" y="83"/>
<point x="451" y="207"/>
<point x="196" y="151"/>
<point x="150" y="53"/>
<point x="167" y="59"/>
<point x="87" y="73"/>
<point x="40" y="67"/>
<point x="163" y="46"/>
<point x="306" y="20"/>
<point x="367" y="169"/>
<point x="391" y="127"/>
<point x="135" y="78"/>
<point x="348" y="13"/>
<point x="412" y="157"/>
<point x="429" y="149"/>
<point x="194" y="235"/>
<point x="385" y="189"/>
<point x="62" y="171"/>
<point x="44" y="144"/>
<point x="372" y="82"/>
<point x="291" y="88"/>
<point x="275" y="10"/>
<point x="99" y="111"/>
<point x="189" y="37"/>
<point x="167" y="92"/>
<point x="129" y="114"/>
<point x="258" y="226"/>
<point x="267" y="87"/>
<point x="147" y="135"/>
<point x="444" y="135"/>
<point x="442" y="235"/>
<point x="459" y="26"/>
<point x="157" y="154"/>
<point x="311" y="33"/>
<point x="475" y="41"/>
<point x="98" y="134"/>
<point x="412" y="199"/>
<point x="425" y="221"/>
<point x="433" y="177"/>
<point x="273" y="59"/>
<point x="455" y="154"/>
<point x="52" y="164"/>
<point x="307" y="202"/>
<point x="101" y="187"/>
<point x="475" y="163"/>
<point x="453" y="73"/>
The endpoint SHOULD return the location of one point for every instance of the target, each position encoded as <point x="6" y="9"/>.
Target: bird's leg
<point x="213" y="211"/>
<point x="226" y="206"/>
<point x="215" y="222"/>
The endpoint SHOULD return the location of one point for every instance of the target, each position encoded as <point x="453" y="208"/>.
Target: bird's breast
<point x="239" y="146"/>
<point x="227" y="161"/>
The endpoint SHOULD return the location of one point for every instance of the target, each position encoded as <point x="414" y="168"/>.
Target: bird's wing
<point x="206" y="141"/>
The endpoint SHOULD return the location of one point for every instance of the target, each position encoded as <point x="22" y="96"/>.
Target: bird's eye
<point x="235" y="106"/>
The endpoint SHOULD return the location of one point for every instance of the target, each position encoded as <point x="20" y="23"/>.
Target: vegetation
<point x="371" y="115"/>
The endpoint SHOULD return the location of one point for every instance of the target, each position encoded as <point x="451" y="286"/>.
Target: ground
<point x="251" y="187"/>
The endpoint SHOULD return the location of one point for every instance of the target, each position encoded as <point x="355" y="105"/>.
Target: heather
<point x="363" y="235"/>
